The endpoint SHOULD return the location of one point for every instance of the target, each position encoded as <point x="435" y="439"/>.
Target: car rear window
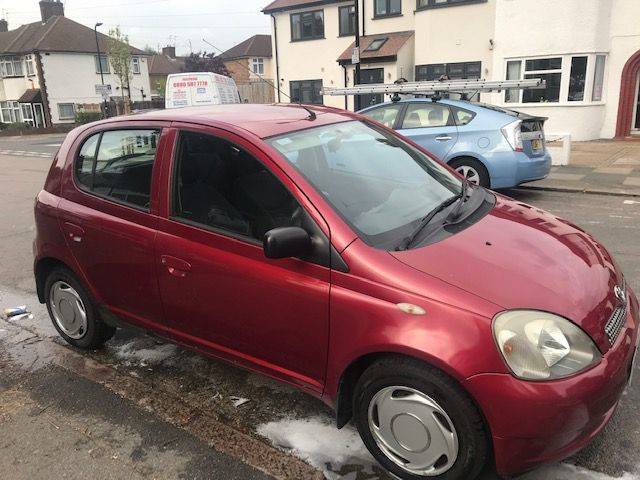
<point x="118" y="165"/>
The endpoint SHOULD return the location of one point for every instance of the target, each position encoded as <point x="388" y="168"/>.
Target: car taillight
<point x="512" y="132"/>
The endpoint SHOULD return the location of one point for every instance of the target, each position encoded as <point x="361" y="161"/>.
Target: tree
<point x="120" y="58"/>
<point x="150" y="49"/>
<point x="204" y="62"/>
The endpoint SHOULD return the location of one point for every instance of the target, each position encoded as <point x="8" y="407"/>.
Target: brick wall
<point x="239" y="70"/>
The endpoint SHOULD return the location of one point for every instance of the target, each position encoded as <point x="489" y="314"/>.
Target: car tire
<point x="73" y="313"/>
<point x="473" y="170"/>
<point x="429" y="390"/>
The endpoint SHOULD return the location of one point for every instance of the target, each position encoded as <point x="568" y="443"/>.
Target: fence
<point x="256" y="92"/>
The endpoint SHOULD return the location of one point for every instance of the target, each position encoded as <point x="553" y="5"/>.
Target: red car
<point x="456" y="327"/>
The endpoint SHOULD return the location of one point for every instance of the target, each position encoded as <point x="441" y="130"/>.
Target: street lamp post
<point x="104" y="100"/>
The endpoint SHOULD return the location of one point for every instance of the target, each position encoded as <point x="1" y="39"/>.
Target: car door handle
<point x="175" y="266"/>
<point x="444" y="138"/>
<point x="75" y="232"/>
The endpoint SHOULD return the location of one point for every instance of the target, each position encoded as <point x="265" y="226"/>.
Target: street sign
<point x="104" y="91"/>
<point x="355" y="56"/>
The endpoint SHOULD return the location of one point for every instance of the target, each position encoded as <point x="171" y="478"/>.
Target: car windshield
<point x="380" y="185"/>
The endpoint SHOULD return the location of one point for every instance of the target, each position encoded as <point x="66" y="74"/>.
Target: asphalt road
<point x="143" y="409"/>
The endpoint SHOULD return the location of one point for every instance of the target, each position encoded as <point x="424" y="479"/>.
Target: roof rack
<point x="436" y="87"/>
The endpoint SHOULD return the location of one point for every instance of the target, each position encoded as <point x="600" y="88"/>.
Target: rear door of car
<point x="109" y="215"/>
<point x="431" y="125"/>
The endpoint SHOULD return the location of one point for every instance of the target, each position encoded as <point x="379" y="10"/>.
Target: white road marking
<point x="22" y="153"/>
<point x="631" y="202"/>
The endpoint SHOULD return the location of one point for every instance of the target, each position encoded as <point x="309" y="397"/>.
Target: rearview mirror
<point x="286" y="242"/>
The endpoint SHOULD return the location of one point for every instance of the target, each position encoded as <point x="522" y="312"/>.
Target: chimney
<point x="51" y="8"/>
<point x="4" y="26"/>
<point x="169" y="52"/>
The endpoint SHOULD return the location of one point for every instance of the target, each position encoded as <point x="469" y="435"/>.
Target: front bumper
<point x="539" y="422"/>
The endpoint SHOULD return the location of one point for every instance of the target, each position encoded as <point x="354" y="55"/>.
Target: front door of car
<point x="431" y="125"/>
<point x="219" y="291"/>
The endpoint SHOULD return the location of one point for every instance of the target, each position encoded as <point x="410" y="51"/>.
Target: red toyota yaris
<point x="455" y="326"/>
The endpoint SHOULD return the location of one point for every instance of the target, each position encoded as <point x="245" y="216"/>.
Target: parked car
<point x="200" y="88"/>
<point x="455" y="326"/>
<point x="490" y="146"/>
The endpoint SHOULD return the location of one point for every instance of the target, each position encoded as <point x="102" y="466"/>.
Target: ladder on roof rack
<point x="436" y="87"/>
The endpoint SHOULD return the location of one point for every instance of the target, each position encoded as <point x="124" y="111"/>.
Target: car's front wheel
<point x="471" y="169"/>
<point x="418" y="423"/>
<point x="73" y="312"/>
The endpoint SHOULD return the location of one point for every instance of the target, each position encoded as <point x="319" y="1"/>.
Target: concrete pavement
<point x="611" y="167"/>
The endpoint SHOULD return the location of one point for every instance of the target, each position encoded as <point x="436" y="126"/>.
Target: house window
<point x="455" y="71"/>
<point x="11" y="66"/>
<point x="10" y="112"/>
<point x="598" y="78"/>
<point x="135" y="65"/>
<point x="548" y="69"/>
<point x="27" y="113"/>
<point x="386" y="8"/>
<point x="347" y="20"/>
<point x="257" y="66"/>
<point x="104" y="62"/>
<point x="376" y="45"/>
<point x="307" y="25"/>
<point x="568" y="78"/>
<point x="422" y="4"/>
<point x="306" y="91"/>
<point x="66" y="111"/>
<point x="28" y="60"/>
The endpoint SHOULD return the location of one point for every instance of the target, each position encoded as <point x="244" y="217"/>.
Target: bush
<point x="14" y="126"/>
<point x="87" y="117"/>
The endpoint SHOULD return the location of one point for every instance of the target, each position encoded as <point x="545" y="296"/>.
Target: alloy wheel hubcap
<point x="68" y="310"/>
<point x="413" y="431"/>
<point x="470" y="173"/>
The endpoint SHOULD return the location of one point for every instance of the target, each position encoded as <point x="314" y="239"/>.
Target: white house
<point x="50" y="68"/>
<point x="588" y="51"/>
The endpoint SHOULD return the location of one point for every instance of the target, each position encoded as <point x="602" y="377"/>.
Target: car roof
<point x="258" y="119"/>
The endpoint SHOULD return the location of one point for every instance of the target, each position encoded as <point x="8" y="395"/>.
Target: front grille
<point x="615" y="323"/>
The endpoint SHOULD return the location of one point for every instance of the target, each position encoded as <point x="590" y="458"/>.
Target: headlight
<point x="542" y="346"/>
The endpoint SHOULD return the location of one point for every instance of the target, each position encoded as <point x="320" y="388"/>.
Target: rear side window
<point x="385" y="115"/>
<point x="463" y="117"/>
<point x="118" y="165"/>
<point x="426" y="115"/>
<point x="221" y="186"/>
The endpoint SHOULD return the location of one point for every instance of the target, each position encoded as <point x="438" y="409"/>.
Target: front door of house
<point x="39" y="115"/>
<point x="368" y="76"/>
<point x="635" y="126"/>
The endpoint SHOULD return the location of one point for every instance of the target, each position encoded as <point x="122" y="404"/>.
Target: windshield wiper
<point x="424" y="221"/>
<point x="454" y="216"/>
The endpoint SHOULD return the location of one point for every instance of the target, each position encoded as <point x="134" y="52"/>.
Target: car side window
<point x="427" y="114"/>
<point x="386" y="115"/>
<point x="219" y="185"/>
<point x="118" y="165"/>
<point x="463" y="117"/>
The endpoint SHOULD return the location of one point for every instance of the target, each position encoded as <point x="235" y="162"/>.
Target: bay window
<point x="568" y="78"/>
<point x="10" y="112"/>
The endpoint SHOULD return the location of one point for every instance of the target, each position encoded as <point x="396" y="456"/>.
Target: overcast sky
<point x="158" y="23"/>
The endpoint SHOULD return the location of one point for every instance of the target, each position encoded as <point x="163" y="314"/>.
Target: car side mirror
<point x="286" y="242"/>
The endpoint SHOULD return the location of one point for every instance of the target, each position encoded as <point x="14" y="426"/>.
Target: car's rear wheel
<point x="471" y="169"/>
<point x="418" y="423"/>
<point x="73" y="312"/>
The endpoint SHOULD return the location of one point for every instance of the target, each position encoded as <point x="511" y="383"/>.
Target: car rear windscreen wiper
<point x="424" y="221"/>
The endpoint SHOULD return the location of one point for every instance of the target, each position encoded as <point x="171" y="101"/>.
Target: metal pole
<point x="356" y="76"/>
<point x="104" y="101"/>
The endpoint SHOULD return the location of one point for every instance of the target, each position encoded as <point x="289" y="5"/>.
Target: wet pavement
<point x="142" y="408"/>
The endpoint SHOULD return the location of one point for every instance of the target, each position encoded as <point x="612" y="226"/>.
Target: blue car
<point x="490" y="146"/>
